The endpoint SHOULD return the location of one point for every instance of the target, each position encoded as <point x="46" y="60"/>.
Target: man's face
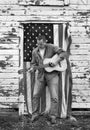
<point x="41" y="44"/>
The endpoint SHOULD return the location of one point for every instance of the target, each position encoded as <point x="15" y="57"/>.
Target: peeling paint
<point x="3" y="64"/>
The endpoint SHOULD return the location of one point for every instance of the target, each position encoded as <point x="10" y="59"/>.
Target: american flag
<point x="57" y="35"/>
<point x="31" y="32"/>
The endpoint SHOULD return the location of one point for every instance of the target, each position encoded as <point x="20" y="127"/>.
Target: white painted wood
<point x="9" y="29"/>
<point x="8" y="52"/>
<point x="81" y="87"/>
<point x="80" y="63"/>
<point x="81" y="40"/>
<point x="81" y="81"/>
<point x="9" y="93"/>
<point x="9" y="75"/>
<point x="9" y="81"/>
<point x="80" y="52"/>
<point x="8" y="46"/>
<point x="84" y="46"/>
<point x="79" y="58"/>
<point x="9" y="57"/>
<point x="80" y="69"/>
<point x="80" y="105"/>
<point x="8" y="24"/>
<point x="9" y="105"/>
<point x="9" y="70"/>
<point x="79" y="75"/>
<point x="43" y="2"/>
<point x="5" y="2"/>
<point x="9" y="99"/>
<point x="21" y="76"/>
<point x="9" y="90"/>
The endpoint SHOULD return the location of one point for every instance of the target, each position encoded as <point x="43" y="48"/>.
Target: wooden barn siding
<point x="12" y="13"/>
<point x="9" y="63"/>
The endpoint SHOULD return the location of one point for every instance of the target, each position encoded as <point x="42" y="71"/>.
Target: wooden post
<point x="21" y="84"/>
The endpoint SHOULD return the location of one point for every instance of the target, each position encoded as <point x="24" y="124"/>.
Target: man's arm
<point x="60" y="52"/>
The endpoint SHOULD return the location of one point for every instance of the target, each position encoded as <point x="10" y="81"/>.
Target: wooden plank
<point x="8" y="87"/>
<point x="21" y="78"/>
<point x="9" y="70"/>
<point x="81" y="98"/>
<point x="42" y="2"/>
<point x="81" y="40"/>
<point x="11" y="75"/>
<point x="38" y="18"/>
<point x="8" y="40"/>
<point x="8" y="64"/>
<point x="16" y="12"/>
<point x="79" y="24"/>
<point x="79" y="75"/>
<point x="79" y="2"/>
<point x="80" y="52"/>
<point x="8" y="46"/>
<point x="9" y="2"/>
<point x="81" y="87"/>
<point x="81" y="81"/>
<point x="80" y="105"/>
<point x="9" y="51"/>
<point x="40" y="11"/>
<point x="80" y="34"/>
<point x="8" y="105"/>
<point x="79" y="69"/>
<point x="9" y="99"/>
<point x="85" y="46"/>
<point x="9" y="57"/>
<point x="9" y="93"/>
<point x="80" y="63"/>
<point x="81" y="112"/>
<point x="42" y="18"/>
<point x="81" y="93"/>
<point x="9" y="81"/>
<point x="9" y="29"/>
<point x="9" y="102"/>
<point x="79" y="58"/>
<point x="11" y="24"/>
<point x="78" y="29"/>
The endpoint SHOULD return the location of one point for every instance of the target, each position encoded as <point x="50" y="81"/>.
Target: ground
<point x="24" y="123"/>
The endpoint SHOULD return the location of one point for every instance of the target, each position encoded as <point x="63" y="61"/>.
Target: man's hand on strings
<point x="51" y="64"/>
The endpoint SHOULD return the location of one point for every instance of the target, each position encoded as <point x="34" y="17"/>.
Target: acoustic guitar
<point x="61" y="66"/>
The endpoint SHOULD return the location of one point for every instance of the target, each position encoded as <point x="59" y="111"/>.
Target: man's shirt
<point x="37" y="60"/>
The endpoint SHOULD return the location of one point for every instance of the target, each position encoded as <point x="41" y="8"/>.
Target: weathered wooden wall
<point x="12" y="14"/>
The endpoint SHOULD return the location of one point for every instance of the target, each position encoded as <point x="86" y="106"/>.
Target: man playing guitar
<point x="53" y="56"/>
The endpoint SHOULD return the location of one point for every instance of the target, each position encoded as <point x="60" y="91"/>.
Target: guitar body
<point x="58" y="67"/>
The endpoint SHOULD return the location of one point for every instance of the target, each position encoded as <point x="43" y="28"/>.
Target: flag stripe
<point x="28" y="88"/>
<point x="60" y="31"/>
<point x="63" y="111"/>
<point x="55" y="34"/>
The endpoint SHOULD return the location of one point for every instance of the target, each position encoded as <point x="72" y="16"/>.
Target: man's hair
<point x="40" y="37"/>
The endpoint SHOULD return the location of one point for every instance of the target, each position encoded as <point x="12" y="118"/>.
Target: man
<point x="44" y="78"/>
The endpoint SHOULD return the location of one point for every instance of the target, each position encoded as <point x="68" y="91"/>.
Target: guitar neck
<point x="40" y="66"/>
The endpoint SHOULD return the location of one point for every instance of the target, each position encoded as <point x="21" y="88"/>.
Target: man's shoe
<point x="34" y="117"/>
<point x="53" y="120"/>
<point x="71" y="118"/>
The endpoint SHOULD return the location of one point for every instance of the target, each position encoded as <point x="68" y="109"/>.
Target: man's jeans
<point x="53" y="88"/>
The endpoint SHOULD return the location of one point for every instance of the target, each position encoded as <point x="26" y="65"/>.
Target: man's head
<point x="41" y="41"/>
